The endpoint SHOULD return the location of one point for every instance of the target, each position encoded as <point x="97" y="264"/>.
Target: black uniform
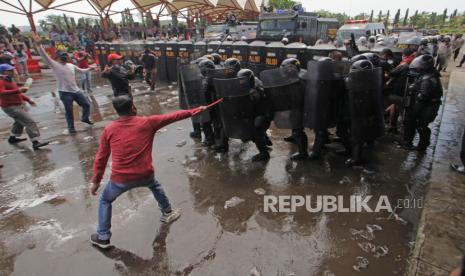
<point x="119" y="78"/>
<point x="426" y="93"/>
<point x="262" y="119"/>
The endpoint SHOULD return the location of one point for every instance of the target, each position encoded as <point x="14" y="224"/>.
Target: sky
<point x="351" y="7"/>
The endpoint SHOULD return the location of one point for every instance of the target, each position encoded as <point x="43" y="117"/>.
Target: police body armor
<point x="365" y="104"/>
<point x="323" y="94"/>
<point x="193" y="93"/>
<point x="285" y="92"/>
<point x="237" y="110"/>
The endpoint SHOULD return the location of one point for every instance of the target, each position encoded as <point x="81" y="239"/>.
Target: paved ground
<point x="440" y="243"/>
<point x="46" y="214"/>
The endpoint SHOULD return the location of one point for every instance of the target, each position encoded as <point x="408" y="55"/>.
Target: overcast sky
<point x="351" y="7"/>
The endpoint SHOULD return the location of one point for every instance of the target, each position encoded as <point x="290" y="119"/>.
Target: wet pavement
<point x="440" y="243"/>
<point x="47" y="215"/>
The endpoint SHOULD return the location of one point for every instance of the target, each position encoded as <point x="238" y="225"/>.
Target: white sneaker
<point x="171" y="216"/>
<point x="457" y="168"/>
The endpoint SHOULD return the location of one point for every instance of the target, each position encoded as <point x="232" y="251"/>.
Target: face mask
<point x="390" y="61"/>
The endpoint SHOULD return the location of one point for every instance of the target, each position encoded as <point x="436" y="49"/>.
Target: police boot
<point x="356" y="159"/>
<point x="302" y="145"/>
<point x="409" y="134"/>
<point x="196" y="134"/>
<point x="318" y="144"/>
<point x="208" y="132"/>
<point x="425" y="135"/>
<point x="222" y="144"/>
<point x="263" y="154"/>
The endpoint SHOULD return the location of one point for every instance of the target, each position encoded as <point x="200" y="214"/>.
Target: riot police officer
<point x="425" y="99"/>
<point x="262" y="116"/>
<point x="216" y="59"/>
<point x="204" y="125"/>
<point x="298" y="136"/>
<point x="424" y="48"/>
<point x="233" y="64"/>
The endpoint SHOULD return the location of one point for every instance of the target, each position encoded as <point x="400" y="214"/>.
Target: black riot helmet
<point x="357" y="58"/>
<point x="247" y="73"/>
<point x="361" y="65"/>
<point x="233" y="63"/>
<point x="422" y="64"/>
<point x="291" y="61"/>
<point x="205" y="65"/>
<point x="424" y="41"/>
<point x="373" y="58"/>
<point x="197" y="61"/>
<point x="216" y="58"/>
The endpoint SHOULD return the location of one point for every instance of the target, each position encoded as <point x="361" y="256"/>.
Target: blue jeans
<point x="85" y="81"/>
<point x="113" y="190"/>
<point x="68" y="98"/>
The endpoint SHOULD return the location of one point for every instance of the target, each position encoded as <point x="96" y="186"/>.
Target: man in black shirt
<point x="148" y="60"/>
<point x="118" y="75"/>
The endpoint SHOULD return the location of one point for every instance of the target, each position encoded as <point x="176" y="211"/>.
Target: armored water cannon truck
<point x="296" y="26"/>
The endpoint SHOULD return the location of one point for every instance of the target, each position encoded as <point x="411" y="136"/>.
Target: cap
<point x="6" y="67"/>
<point x="112" y="57"/>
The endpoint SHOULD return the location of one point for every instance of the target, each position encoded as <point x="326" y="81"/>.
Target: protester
<point x="444" y="54"/>
<point x="21" y="58"/>
<point x="457" y="44"/>
<point x="148" y="60"/>
<point x="458" y="168"/>
<point x="12" y="102"/>
<point x="118" y="75"/>
<point x="66" y="85"/>
<point x="82" y="58"/>
<point x="129" y="141"/>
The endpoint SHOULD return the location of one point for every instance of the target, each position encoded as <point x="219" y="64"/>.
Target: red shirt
<point x="129" y="140"/>
<point x="10" y="94"/>
<point x="83" y="64"/>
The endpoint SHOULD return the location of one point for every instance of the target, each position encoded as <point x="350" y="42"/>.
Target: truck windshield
<point x="216" y="28"/>
<point x="345" y="34"/>
<point x="277" y="24"/>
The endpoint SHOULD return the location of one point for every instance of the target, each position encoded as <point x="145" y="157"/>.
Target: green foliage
<point x="281" y="4"/>
<point x="371" y="16"/>
<point x="396" y="18"/>
<point x="405" y="22"/>
<point x="341" y="17"/>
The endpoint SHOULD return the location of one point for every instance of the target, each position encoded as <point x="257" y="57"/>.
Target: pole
<point x="30" y="17"/>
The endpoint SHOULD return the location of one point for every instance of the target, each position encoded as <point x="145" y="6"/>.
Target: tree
<point x="380" y="16"/>
<point x="396" y="18"/>
<point x="433" y="19"/>
<point x="281" y="4"/>
<point x="413" y="19"/>
<point x="406" y="18"/>
<point x="444" y="16"/>
<point x="371" y="16"/>
<point x="386" y="21"/>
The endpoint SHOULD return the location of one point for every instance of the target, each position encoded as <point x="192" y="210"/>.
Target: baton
<point x="209" y="106"/>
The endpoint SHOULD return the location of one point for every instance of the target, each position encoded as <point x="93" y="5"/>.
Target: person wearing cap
<point x="12" y="102"/>
<point x="67" y="88"/>
<point x="118" y="76"/>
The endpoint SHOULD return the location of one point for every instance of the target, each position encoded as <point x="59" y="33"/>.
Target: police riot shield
<point x="224" y="50"/>
<point x="101" y="56"/>
<point x="274" y="55"/>
<point x="297" y="50"/>
<point x="185" y="50"/>
<point x="137" y="47"/>
<point x="283" y="87"/>
<point x="193" y="91"/>
<point x="237" y="109"/>
<point x="319" y="51"/>
<point x="200" y="49"/>
<point x="324" y="91"/>
<point x="212" y="46"/>
<point x="256" y="59"/>
<point x="240" y="50"/>
<point x="365" y="104"/>
<point x="160" y="53"/>
<point x="172" y="60"/>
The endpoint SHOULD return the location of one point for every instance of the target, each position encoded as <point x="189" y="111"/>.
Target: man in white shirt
<point x="66" y="85"/>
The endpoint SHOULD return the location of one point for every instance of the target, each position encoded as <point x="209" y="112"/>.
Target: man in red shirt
<point x="129" y="141"/>
<point x="82" y="58"/>
<point x="12" y="102"/>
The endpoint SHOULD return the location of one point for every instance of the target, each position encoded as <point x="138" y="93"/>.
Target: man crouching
<point x="129" y="140"/>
